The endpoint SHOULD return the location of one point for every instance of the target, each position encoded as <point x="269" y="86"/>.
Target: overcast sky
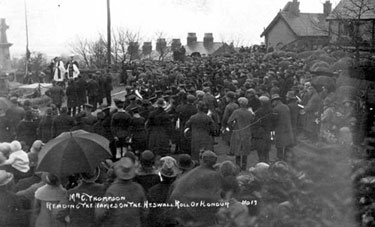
<point x="54" y="24"/>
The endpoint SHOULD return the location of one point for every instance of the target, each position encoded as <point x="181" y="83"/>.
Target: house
<point x="352" y="24"/>
<point x="207" y="47"/>
<point x="293" y="30"/>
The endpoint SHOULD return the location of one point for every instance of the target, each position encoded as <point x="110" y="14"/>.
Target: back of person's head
<point x="203" y="107"/>
<point x="15" y="146"/>
<point x="5" y="148"/>
<point x="52" y="179"/>
<point x="29" y="115"/>
<point x="64" y="110"/>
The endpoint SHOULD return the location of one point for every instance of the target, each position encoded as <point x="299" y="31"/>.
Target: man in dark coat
<point x="45" y="127"/>
<point x="81" y="92"/>
<point x="14" y="115"/>
<point x="184" y="112"/>
<point x="56" y="93"/>
<point x="27" y="129"/>
<point x="159" y="126"/>
<point x="92" y="88"/>
<point x="108" y="88"/>
<point x="283" y="128"/>
<point x="62" y="123"/>
<point x="72" y="98"/>
<point x="229" y="108"/>
<point x="312" y="111"/>
<point x="201" y="127"/>
<point x="262" y="129"/>
<point x="200" y="184"/>
<point x="254" y="102"/>
<point x="120" y="127"/>
<point x="294" y="112"/>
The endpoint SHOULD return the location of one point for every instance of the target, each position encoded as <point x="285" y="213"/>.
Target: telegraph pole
<point x="27" y="41"/>
<point x="109" y="33"/>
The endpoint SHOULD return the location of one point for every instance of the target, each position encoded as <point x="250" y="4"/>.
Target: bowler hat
<point x="231" y="95"/>
<point x="185" y="162"/>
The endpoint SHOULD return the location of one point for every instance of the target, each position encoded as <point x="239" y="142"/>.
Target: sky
<point x="54" y="25"/>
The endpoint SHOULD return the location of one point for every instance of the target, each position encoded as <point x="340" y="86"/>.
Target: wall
<point x="279" y="34"/>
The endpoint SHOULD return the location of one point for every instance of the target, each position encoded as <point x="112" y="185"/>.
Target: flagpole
<point x="109" y="33"/>
<point x="27" y="40"/>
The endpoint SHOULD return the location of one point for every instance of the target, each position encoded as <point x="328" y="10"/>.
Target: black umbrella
<point x="73" y="152"/>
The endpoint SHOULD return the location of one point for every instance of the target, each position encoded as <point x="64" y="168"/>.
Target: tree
<point x="352" y="25"/>
<point x="162" y="45"/>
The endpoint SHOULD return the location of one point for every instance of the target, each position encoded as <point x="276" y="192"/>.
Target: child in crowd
<point x="17" y="162"/>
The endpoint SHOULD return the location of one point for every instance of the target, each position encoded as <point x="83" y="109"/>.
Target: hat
<point x="37" y="146"/>
<point x="328" y="101"/>
<point x="275" y="96"/>
<point x="161" y="102"/>
<point x="199" y="93"/>
<point x="5" y="177"/>
<point x="209" y="157"/>
<point x="231" y="95"/>
<point x="91" y="177"/>
<point x="347" y="100"/>
<point x="169" y="167"/>
<point x="14" y="99"/>
<point x="228" y="168"/>
<point x="147" y="158"/>
<point x="190" y="98"/>
<point x="88" y="105"/>
<point x="264" y="99"/>
<point x="291" y="95"/>
<point x="185" y="162"/>
<point x="124" y="169"/>
<point x="243" y="101"/>
<point x="251" y="91"/>
<point x="132" y="97"/>
<point x="260" y="169"/>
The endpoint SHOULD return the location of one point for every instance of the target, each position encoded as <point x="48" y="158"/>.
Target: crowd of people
<point x="251" y="102"/>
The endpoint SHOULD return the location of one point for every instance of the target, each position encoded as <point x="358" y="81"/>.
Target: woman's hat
<point x="5" y="177"/>
<point x="231" y="95"/>
<point x="37" y="146"/>
<point x="185" y="162"/>
<point x="124" y="169"/>
<point x="169" y="167"/>
<point x="91" y="177"/>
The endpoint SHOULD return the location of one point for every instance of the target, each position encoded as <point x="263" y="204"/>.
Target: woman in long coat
<point x="51" y="194"/>
<point x="159" y="128"/>
<point x="240" y="143"/>
<point x="202" y="127"/>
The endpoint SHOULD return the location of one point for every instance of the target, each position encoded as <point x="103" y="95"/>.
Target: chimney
<point x="208" y="39"/>
<point x="161" y="44"/>
<point x="191" y="39"/>
<point x="176" y="44"/>
<point x="294" y="7"/>
<point x="327" y="8"/>
<point x="147" y="48"/>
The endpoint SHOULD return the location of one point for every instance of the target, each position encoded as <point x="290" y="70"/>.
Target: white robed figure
<point x="72" y="70"/>
<point x="59" y="70"/>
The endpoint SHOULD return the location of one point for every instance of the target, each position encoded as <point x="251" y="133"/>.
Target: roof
<point x="351" y="9"/>
<point x="202" y="49"/>
<point x="303" y="24"/>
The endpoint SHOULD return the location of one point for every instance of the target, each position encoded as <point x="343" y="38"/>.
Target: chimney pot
<point x="208" y="39"/>
<point x="327" y="8"/>
<point x="192" y="38"/>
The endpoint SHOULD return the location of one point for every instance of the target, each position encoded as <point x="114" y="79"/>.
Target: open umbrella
<point x="73" y="152"/>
